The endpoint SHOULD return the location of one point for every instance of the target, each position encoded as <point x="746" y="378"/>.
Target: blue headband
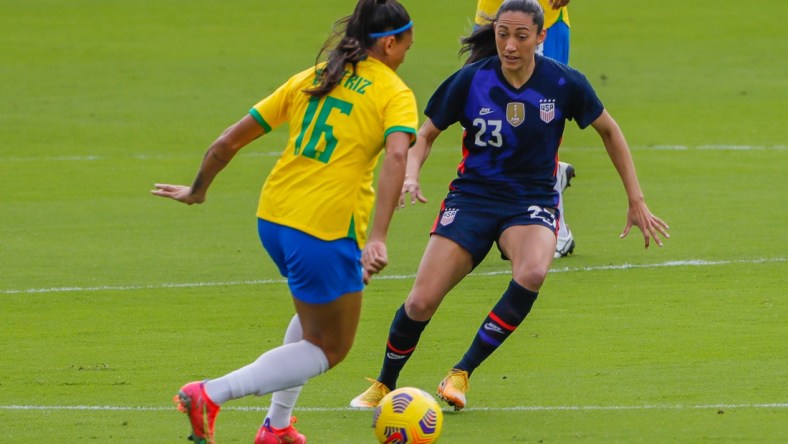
<point x="407" y="26"/>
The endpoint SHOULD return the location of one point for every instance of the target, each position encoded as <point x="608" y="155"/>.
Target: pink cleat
<point x="287" y="435"/>
<point x="193" y="401"/>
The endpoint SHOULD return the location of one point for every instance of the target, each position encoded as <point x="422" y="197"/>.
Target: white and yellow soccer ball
<point x="407" y="415"/>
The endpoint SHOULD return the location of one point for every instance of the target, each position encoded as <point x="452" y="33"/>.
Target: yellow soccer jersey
<point x="322" y="183"/>
<point x="490" y="7"/>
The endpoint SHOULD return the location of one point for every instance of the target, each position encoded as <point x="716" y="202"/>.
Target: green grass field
<point x="111" y="299"/>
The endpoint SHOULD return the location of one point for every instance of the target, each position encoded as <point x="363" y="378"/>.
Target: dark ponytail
<point x="481" y="43"/>
<point x="354" y="35"/>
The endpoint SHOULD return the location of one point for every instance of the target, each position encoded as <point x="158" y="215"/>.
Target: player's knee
<point x="336" y="353"/>
<point x="420" y="309"/>
<point x="531" y="278"/>
<point x="334" y="348"/>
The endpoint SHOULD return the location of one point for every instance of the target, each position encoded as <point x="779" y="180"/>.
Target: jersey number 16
<point x="320" y="128"/>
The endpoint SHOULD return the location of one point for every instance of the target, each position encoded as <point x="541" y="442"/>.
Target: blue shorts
<point x="556" y="44"/>
<point x="317" y="271"/>
<point x="475" y="223"/>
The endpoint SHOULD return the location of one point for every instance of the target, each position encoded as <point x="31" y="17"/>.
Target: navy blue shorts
<point x="475" y="223"/>
<point x="317" y="271"/>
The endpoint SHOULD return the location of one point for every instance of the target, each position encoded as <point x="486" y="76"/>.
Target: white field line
<point x="684" y="263"/>
<point x="93" y="157"/>
<point x="691" y="148"/>
<point x="534" y="408"/>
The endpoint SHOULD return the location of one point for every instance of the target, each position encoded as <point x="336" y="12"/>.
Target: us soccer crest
<point x="515" y="113"/>
<point x="448" y="216"/>
<point x="547" y="110"/>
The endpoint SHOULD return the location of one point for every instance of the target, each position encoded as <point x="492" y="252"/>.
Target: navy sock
<point x="505" y="317"/>
<point x="404" y="334"/>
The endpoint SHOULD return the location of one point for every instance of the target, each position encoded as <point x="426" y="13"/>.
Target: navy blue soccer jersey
<point x="511" y="138"/>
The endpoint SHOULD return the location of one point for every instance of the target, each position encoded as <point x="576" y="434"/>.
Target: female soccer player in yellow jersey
<point x="315" y="206"/>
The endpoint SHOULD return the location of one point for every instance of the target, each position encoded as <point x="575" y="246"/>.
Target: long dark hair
<point x="481" y="43"/>
<point x="354" y="34"/>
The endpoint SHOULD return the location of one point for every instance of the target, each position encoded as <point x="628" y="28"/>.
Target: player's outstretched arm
<point x="374" y="257"/>
<point x="638" y="213"/>
<point x="219" y="154"/>
<point x="416" y="158"/>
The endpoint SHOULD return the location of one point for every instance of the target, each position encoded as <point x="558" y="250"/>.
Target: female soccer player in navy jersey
<point x="513" y="105"/>
<point x="556" y="47"/>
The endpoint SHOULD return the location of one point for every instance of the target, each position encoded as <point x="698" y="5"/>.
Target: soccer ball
<point x="407" y="416"/>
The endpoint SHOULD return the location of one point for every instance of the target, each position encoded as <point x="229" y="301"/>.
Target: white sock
<point x="283" y="401"/>
<point x="288" y="366"/>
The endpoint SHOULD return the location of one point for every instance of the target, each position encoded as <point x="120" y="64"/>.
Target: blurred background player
<point x="555" y="46"/>
<point x="315" y="207"/>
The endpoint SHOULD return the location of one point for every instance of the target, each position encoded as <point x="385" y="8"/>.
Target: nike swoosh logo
<point x="492" y="327"/>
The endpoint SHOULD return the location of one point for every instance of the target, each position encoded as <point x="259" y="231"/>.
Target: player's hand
<point x="181" y="193"/>
<point x="413" y="188"/>
<point x="651" y="226"/>
<point x="557" y="4"/>
<point x="374" y="259"/>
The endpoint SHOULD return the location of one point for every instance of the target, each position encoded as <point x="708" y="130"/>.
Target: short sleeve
<point x="447" y="103"/>
<point x="586" y="106"/>
<point x="271" y="111"/>
<point x="401" y="115"/>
